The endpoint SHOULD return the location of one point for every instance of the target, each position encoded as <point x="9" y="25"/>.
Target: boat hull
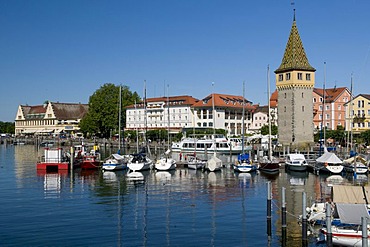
<point x="165" y="164"/>
<point x="271" y="167"/>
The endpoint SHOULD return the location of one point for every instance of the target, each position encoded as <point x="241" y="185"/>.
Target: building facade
<point x="51" y="117"/>
<point x="329" y="107"/>
<point x="216" y="110"/>
<point x="173" y="113"/>
<point x="224" y="112"/>
<point x="358" y="114"/>
<point x="295" y="80"/>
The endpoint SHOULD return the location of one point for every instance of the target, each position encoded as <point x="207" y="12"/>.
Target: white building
<point x="188" y="112"/>
<point x="160" y="113"/>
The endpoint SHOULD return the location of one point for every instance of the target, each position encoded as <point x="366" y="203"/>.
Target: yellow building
<point x="358" y="114"/>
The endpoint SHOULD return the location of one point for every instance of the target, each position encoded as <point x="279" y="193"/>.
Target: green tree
<point x="102" y="117"/>
<point x="265" y="130"/>
<point x="365" y="136"/>
<point x="7" y="127"/>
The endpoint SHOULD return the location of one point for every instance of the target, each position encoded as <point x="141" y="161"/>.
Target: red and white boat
<point x="54" y="159"/>
<point x="91" y="161"/>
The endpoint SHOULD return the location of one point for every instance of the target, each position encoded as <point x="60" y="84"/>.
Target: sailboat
<point x="269" y="163"/>
<point x="244" y="163"/>
<point x="116" y="161"/>
<point x="166" y="163"/>
<point x="214" y="163"/>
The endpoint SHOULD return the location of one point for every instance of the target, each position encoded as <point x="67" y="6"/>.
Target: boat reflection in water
<point x="52" y="182"/>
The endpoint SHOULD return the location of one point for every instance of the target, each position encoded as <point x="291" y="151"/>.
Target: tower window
<point x="287" y="76"/>
<point x="308" y="77"/>
<point x="280" y="77"/>
<point x="303" y="108"/>
<point x="299" y="76"/>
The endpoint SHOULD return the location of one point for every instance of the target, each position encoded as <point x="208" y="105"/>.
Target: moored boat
<point x="195" y="163"/>
<point x="115" y="162"/>
<point x="329" y="162"/>
<point x="244" y="164"/>
<point x="216" y="143"/>
<point x="139" y="162"/>
<point x="54" y="159"/>
<point x="90" y="161"/>
<point x="356" y="164"/>
<point x="296" y="162"/>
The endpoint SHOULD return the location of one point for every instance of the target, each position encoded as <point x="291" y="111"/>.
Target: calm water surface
<point x="179" y="208"/>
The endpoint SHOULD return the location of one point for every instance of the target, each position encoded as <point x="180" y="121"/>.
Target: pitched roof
<point x="69" y="110"/>
<point x="224" y="101"/>
<point x="62" y="111"/>
<point x="295" y="56"/>
<point x="331" y="94"/>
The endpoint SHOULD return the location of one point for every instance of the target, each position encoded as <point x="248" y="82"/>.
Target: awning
<point x="351" y="194"/>
<point x="352" y="213"/>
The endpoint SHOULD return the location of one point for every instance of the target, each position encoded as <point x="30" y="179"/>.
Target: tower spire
<point x="294" y="56"/>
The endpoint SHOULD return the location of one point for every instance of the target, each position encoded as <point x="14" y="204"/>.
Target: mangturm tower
<point x="295" y="80"/>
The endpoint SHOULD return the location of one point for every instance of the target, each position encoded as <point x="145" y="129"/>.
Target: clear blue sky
<point x="65" y="50"/>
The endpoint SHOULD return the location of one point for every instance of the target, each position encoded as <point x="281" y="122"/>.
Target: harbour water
<point x="179" y="208"/>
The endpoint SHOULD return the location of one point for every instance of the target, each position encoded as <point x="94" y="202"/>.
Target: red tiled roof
<point x="331" y="94"/>
<point x="224" y="101"/>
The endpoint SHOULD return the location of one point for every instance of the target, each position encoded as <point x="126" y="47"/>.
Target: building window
<point x="339" y="107"/>
<point x="280" y="77"/>
<point x="314" y="100"/>
<point x="339" y="116"/>
<point x="308" y="77"/>
<point x="284" y="108"/>
<point x="284" y="95"/>
<point x="303" y="108"/>
<point x="287" y="76"/>
<point x="299" y="76"/>
<point x="302" y="95"/>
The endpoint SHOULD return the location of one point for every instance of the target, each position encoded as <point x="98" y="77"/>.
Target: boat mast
<point x="168" y="117"/>
<point x="243" y="118"/>
<point x="351" y="116"/>
<point x="269" y="117"/>
<point x="119" y="119"/>
<point x="213" y="118"/>
<point x="137" y="131"/>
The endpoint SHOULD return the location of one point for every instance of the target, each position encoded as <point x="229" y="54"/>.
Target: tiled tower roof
<point x="294" y="57"/>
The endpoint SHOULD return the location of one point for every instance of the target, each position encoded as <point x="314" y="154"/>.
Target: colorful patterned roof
<point x="295" y="56"/>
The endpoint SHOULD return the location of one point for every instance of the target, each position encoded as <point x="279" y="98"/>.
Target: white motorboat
<point x="216" y="143"/>
<point x="115" y="162"/>
<point x="296" y="162"/>
<point x="165" y="164"/>
<point x="195" y="163"/>
<point x="139" y="162"/>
